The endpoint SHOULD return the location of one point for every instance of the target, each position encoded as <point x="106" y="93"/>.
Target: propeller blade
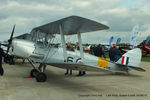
<point x="10" y="40"/>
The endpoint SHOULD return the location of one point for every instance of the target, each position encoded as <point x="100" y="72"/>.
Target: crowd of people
<point x="98" y="50"/>
<point x="114" y="52"/>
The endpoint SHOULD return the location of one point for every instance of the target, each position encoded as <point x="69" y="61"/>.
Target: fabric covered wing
<point x="71" y="25"/>
<point x="25" y="36"/>
<point x="76" y="66"/>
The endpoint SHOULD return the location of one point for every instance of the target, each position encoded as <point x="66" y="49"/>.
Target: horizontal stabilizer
<point x="132" y="67"/>
<point x="137" y="68"/>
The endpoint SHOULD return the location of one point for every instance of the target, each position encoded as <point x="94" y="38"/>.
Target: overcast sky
<point x="120" y="15"/>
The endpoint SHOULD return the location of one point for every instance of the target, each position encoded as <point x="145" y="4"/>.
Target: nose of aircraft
<point x="22" y="48"/>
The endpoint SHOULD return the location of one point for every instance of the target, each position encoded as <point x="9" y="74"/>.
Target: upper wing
<point x="71" y="25"/>
<point x="77" y="66"/>
<point x="25" y="36"/>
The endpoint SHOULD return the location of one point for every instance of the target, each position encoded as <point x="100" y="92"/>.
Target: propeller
<point x="10" y="40"/>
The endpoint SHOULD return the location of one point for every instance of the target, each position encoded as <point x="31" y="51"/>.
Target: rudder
<point x="131" y="58"/>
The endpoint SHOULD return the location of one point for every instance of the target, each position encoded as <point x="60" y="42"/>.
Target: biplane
<point x="145" y="49"/>
<point x="38" y="48"/>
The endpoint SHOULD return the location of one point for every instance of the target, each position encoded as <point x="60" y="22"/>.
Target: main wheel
<point x="41" y="77"/>
<point x="34" y="72"/>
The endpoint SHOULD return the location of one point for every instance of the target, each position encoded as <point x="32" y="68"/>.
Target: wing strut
<point x="63" y="43"/>
<point x="80" y="45"/>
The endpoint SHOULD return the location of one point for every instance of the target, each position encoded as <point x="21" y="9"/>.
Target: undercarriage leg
<point x="42" y="67"/>
<point x="38" y="73"/>
<point x="41" y="76"/>
<point x="31" y="62"/>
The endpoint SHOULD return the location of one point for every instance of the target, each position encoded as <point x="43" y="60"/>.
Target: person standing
<point x="100" y="51"/>
<point x="114" y="53"/>
<point x="117" y="53"/>
<point x="1" y="55"/>
<point x="111" y="53"/>
<point x="77" y="46"/>
<point x="68" y="71"/>
<point x="69" y="48"/>
<point x="81" y="73"/>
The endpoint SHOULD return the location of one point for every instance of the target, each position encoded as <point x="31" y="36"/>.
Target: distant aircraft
<point x="39" y="49"/>
<point x="145" y="50"/>
<point x="145" y="46"/>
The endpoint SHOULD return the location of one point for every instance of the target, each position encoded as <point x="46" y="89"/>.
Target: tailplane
<point x="131" y="58"/>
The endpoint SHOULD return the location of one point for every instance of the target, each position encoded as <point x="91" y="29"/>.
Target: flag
<point x="111" y="40"/>
<point x="118" y="41"/>
<point x="147" y="40"/>
<point x="133" y="36"/>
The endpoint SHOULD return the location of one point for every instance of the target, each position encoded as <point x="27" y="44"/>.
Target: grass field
<point x="146" y="58"/>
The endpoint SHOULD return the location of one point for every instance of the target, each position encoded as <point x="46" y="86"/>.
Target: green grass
<point x="146" y="58"/>
<point x="107" y="54"/>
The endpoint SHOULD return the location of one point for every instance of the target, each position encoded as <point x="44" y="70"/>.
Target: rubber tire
<point x="34" y="72"/>
<point x="41" y="77"/>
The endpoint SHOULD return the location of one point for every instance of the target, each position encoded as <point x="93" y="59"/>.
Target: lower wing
<point x="76" y="66"/>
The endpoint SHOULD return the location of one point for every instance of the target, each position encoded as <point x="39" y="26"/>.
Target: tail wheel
<point x="41" y="77"/>
<point x="34" y="72"/>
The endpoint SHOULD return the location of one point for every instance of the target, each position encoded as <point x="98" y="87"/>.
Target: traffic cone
<point x="29" y="76"/>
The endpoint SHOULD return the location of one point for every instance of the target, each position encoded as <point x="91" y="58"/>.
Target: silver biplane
<point x="37" y="48"/>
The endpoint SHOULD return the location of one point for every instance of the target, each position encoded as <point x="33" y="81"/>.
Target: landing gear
<point x="38" y="73"/>
<point x="34" y="72"/>
<point x="9" y="59"/>
<point x="41" y="77"/>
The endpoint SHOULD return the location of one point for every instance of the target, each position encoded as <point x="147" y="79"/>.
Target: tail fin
<point x="131" y="58"/>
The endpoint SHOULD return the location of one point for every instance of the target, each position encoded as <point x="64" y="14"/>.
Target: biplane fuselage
<point x="39" y="49"/>
<point x="54" y="56"/>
